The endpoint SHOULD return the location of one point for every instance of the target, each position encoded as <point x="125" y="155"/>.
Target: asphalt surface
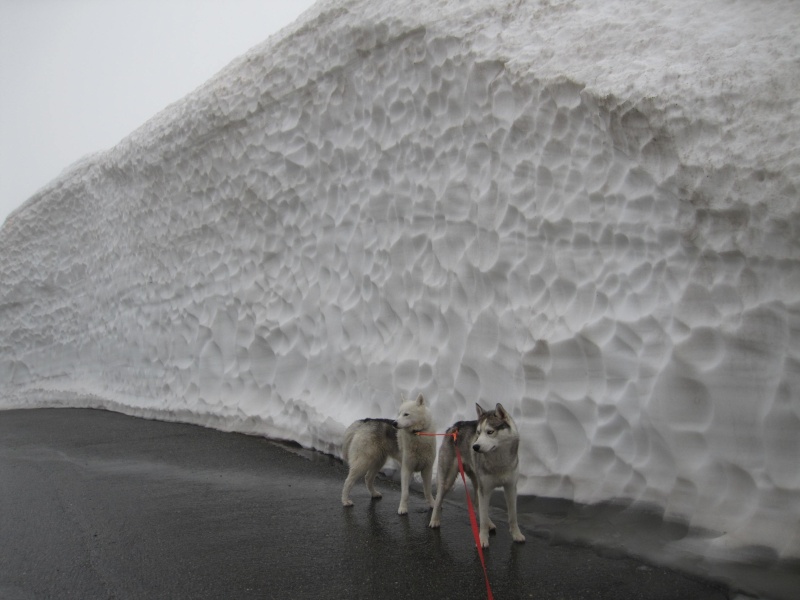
<point x="95" y="504"/>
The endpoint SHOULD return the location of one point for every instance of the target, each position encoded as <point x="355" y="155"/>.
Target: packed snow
<point x="587" y="211"/>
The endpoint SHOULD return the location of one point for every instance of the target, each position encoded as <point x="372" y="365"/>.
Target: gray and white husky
<point x="489" y="448"/>
<point x="368" y="443"/>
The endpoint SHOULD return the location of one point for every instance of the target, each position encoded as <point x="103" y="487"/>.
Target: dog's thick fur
<point x="368" y="443"/>
<point x="489" y="448"/>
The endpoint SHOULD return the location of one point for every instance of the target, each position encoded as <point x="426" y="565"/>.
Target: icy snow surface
<point x="587" y="211"/>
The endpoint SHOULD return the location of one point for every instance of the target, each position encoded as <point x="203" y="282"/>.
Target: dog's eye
<point x="490" y="432"/>
<point x="405" y="414"/>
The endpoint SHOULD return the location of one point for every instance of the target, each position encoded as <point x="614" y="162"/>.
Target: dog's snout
<point x="476" y="447"/>
<point x="394" y="424"/>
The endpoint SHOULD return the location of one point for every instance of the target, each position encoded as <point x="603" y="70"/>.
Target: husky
<point x="369" y="442"/>
<point x="488" y="449"/>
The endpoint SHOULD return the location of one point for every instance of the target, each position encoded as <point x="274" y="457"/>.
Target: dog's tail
<point x="349" y="434"/>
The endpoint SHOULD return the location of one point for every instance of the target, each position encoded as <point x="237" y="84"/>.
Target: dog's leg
<point x="510" y="490"/>
<point x="369" y="479"/>
<point x="427" y="479"/>
<point x="483" y="511"/>
<point x="445" y="479"/>
<point x="405" y="480"/>
<point x="356" y="472"/>
<point x="477" y="500"/>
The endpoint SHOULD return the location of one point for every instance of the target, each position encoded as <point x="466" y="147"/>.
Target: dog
<point x="368" y="443"/>
<point x="489" y="450"/>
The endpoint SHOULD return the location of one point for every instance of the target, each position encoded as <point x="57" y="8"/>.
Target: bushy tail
<point x="349" y="434"/>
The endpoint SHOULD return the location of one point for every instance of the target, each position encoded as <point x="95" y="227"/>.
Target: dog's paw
<point x="484" y="541"/>
<point x="518" y="537"/>
<point x="434" y="524"/>
<point x="347" y="503"/>
<point x="377" y="496"/>
<point x="403" y="510"/>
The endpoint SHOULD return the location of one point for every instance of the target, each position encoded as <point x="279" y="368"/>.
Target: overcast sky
<point x="77" y="76"/>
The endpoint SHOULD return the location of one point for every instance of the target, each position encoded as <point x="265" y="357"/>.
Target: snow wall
<point x="587" y="211"/>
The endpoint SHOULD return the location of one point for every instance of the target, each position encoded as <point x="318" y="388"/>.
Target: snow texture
<point x="585" y="210"/>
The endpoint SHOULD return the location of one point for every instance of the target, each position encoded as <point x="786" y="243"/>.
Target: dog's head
<point x="493" y="427"/>
<point x="414" y="415"/>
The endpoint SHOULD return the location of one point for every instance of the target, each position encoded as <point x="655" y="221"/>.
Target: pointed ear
<point x="420" y="400"/>
<point x="501" y="412"/>
<point x="402" y="398"/>
<point x="480" y="411"/>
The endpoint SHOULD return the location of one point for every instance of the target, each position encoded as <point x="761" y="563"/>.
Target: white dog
<point x="368" y="443"/>
<point x="489" y="448"/>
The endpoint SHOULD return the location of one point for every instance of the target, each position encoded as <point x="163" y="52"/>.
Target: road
<point x="95" y="504"/>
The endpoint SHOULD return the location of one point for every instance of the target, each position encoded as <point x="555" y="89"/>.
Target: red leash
<point x="470" y="509"/>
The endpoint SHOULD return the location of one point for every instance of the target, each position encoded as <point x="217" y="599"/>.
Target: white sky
<point x="77" y="76"/>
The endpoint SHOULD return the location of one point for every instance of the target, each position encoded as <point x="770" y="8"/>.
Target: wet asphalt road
<point x="95" y="504"/>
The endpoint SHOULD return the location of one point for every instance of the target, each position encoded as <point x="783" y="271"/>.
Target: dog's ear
<point x="480" y="411"/>
<point x="420" y="400"/>
<point x="402" y="398"/>
<point x="501" y="412"/>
